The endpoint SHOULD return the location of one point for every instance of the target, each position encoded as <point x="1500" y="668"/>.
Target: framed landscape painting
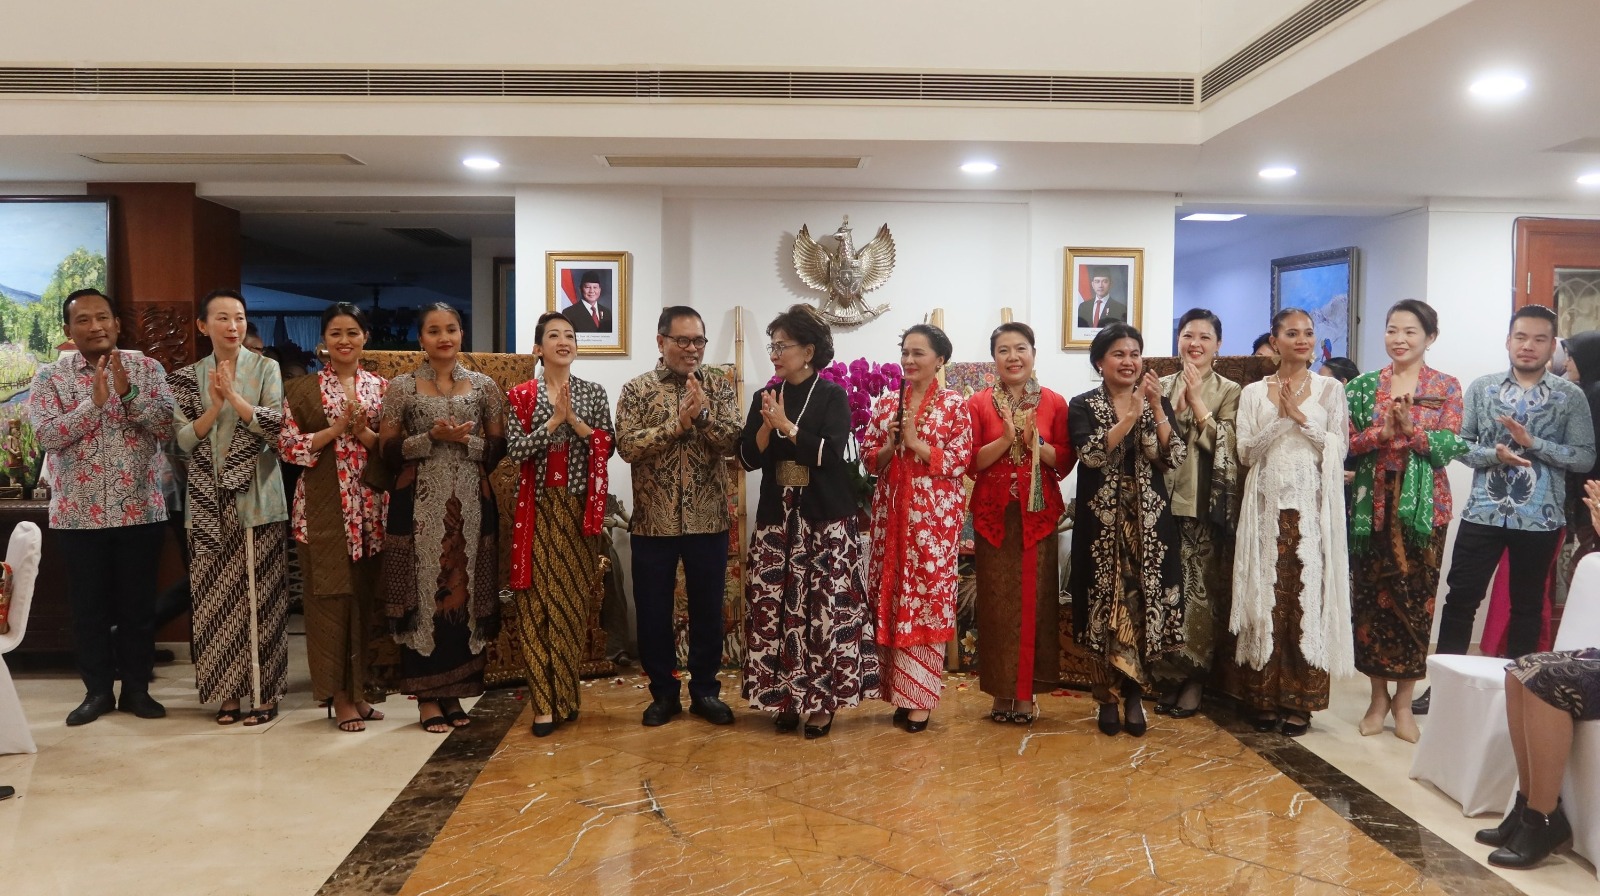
<point x="1324" y="285"/>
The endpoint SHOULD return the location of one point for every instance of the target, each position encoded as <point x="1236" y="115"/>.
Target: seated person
<point x="1546" y="695"/>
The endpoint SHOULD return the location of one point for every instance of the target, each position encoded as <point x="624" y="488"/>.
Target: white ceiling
<point x="1390" y="130"/>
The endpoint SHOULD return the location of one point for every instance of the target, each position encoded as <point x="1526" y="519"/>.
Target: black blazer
<point x="577" y="315"/>
<point x="821" y="443"/>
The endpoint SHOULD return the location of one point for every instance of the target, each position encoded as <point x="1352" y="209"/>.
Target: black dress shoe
<point x="1110" y="725"/>
<point x="901" y="716"/>
<point x="1419" y="706"/>
<point x="93" y="707"/>
<point x="141" y="704"/>
<point x="915" y="727"/>
<point x="1535" y="838"/>
<point x="1295" y="729"/>
<point x="712" y="710"/>
<point x="1179" y="712"/>
<point x="545" y="729"/>
<point x="786" y="722"/>
<point x="660" y="712"/>
<point x="1500" y="835"/>
<point x="7" y="793"/>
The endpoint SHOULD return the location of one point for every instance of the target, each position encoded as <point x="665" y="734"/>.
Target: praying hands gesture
<point x="773" y="415"/>
<point x="562" y="411"/>
<point x="1397" y="419"/>
<point x="1287" y="406"/>
<point x="109" y="376"/>
<point x="692" y="405"/>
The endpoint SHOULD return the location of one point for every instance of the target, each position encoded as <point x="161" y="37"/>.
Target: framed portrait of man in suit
<point x="1100" y="286"/>
<point x="590" y="289"/>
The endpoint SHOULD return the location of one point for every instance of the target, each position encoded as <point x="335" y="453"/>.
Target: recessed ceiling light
<point x="1277" y="172"/>
<point x="1210" y="216"/>
<point x="980" y="167"/>
<point x="1590" y="179"/>
<point x="481" y="163"/>
<point x="1498" y="86"/>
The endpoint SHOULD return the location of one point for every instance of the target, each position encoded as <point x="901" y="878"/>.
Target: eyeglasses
<point x="695" y="342"/>
<point x="778" y="348"/>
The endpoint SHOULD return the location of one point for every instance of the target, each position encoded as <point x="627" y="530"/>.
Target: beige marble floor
<point x="181" y="806"/>
<point x="606" y="806"/>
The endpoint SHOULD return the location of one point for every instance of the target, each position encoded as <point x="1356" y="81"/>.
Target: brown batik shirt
<point x="680" y="484"/>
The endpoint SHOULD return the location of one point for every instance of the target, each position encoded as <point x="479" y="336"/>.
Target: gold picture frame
<point x="1122" y="271"/>
<point x="567" y="275"/>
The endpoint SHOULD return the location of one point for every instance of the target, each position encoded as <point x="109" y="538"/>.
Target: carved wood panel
<point x="164" y="331"/>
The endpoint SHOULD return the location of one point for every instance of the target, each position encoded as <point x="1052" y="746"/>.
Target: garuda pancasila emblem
<point x="846" y="275"/>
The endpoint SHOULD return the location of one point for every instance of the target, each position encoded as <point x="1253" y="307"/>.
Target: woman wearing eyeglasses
<point x="808" y="630"/>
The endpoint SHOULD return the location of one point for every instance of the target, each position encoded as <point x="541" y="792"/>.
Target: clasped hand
<point x="447" y="430"/>
<point x="1397" y="419"/>
<point x="109" y="376"/>
<point x="691" y="404"/>
<point x="773" y="414"/>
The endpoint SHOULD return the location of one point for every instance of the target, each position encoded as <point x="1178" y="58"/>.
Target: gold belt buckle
<point x="793" y="475"/>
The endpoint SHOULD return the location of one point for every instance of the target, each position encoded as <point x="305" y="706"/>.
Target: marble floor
<point x="1205" y="805"/>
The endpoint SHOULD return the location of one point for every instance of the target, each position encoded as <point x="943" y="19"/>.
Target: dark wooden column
<point x="169" y="248"/>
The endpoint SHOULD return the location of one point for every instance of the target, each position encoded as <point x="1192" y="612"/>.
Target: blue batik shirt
<point x="1556" y="414"/>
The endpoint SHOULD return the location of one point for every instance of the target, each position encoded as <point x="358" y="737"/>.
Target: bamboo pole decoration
<point x="936" y="317"/>
<point x="255" y="605"/>
<point x="1005" y="315"/>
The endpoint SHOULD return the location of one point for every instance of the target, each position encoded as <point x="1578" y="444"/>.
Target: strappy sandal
<point x="373" y="714"/>
<point x="435" y="725"/>
<point x="1026" y="718"/>
<point x="996" y="714"/>
<point x="457" y="718"/>
<point x="229" y="716"/>
<point x="260" y="716"/>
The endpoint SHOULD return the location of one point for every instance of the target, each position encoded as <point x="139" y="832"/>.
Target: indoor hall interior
<point x="1416" y="148"/>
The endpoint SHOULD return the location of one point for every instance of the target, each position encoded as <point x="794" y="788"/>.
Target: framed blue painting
<point x="1325" y="285"/>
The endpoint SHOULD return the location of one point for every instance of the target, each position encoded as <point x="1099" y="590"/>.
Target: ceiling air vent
<point x="222" y="158"/>
<point x="432" y="237"/>
<point x="937" y="87"/>
<point x="733" y="161"/>
<point x="1289" y="33"/>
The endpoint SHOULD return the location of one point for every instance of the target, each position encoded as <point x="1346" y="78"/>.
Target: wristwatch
<point x="794" y="430"/>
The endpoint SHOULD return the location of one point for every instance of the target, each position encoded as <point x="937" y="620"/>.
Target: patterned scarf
<point x="524" y="402"/>
<point x="1009" y="412"/>
<point x="206" y="488"/>
<point x="1416" y="485"/>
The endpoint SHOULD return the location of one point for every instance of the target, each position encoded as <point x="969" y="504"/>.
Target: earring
<point x="321" y="351"/>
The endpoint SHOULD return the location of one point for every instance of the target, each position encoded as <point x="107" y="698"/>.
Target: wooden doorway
<point x="1558" y="266"/>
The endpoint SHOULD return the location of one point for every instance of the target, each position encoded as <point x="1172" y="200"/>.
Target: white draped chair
<point x="1465" y="749"/>
<point x="23" y="555"/>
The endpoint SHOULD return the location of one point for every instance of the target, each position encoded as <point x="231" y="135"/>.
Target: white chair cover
<point x="23" y="555"/>
<point x="1465" y="749"/>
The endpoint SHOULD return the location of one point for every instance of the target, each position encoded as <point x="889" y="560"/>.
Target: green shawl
<point x="1415" y="512"/>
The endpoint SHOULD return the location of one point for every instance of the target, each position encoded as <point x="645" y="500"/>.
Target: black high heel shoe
<point x="901" y="716"/>
<point x="915" y="727"/>
<point x="786" y="722"/>
<point x="815" y="731"/>
<point x="1295" y="729"/>
<point x="1133" y="720"/>
<point x="544" y="729"/>
<point x="1110" y="725"/>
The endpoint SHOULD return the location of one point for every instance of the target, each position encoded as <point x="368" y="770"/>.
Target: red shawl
<point x="524" y="401"/>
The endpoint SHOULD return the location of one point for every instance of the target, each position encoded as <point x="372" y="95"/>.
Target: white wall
<point x="969" y="254"/>
<point x="1235" y="281"/>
